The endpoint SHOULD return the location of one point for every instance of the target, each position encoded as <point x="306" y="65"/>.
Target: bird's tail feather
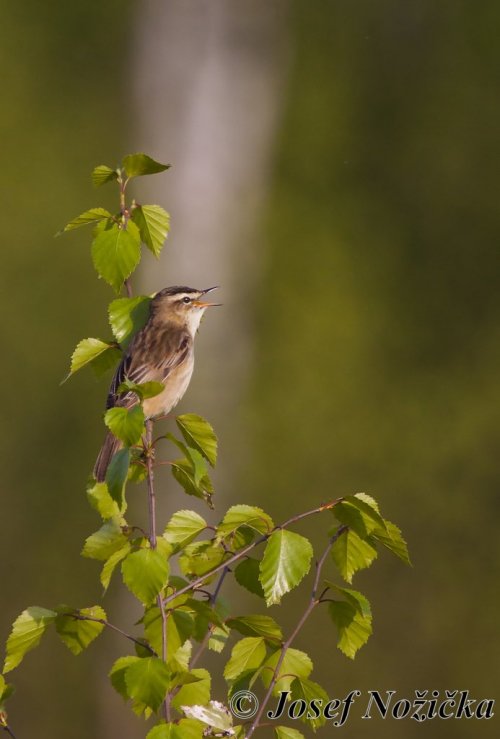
<point x="108" y="449"/>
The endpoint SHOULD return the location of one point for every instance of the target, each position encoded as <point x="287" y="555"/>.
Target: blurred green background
<point x="373" y="324"/>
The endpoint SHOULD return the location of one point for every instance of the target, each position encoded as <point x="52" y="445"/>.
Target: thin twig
<point x="243" y="552"/>
<point x="216" y="592"/>
<point x="152" y="540"/>
<point x="163" y="628"/>
<point x="164" y="647"/>
<point x="212" y="600"/>
<point x="122" y="192"/>
<point x="202" y="647"/>
<point x="319" y="565"/>
<point x="80" y="617"/>
<point x="128" y="288"/>
<point x="313" y="602"/>
<point x="151" y="489"/>
<point x="207" y="593"/>
<point x="9" y="731"/>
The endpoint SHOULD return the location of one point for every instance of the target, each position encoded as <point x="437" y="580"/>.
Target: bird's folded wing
<point x="151" y="357"/>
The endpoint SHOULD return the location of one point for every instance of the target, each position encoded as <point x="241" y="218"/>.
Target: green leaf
<point x="368" y="499"/>
<point x="127" y="316"/>
<point x="105" y="542"/>
<point x="90" y="351"/>
<point x="354" y="628"/>
<point x="6" y="690"/>
<point x="102" y="174"/>
<point x="200" y="557"/>
<point x="117" y="677"/>
<point x="246" y="681"/>
<point x="116" y="475"/>
<point x="176" y="583"/>
<point x="27" y="630"/>
<point x="392" y="538"/>
<point x="350" y="554"/>
<point x="127" y="424"/>
<point x="360" y="516"/>
<point x="137" y="471"/>
<point x="257" y="625"/>
<point x="153" y="223"/>
<point x="247" y="575"/>
<point x="180" y="663"/>
<point x="162" y="731"/>
<point x="143" y="390"/>
<point x="287" y="559"/>
<point x="218" y="638"/>
<point x="306" y="690"/>
<point x="244" y="515"/>
<point x="102" y="502"/>
<point x="162" y="546"/>
<point x="295" y="664"/>
<point x="199" y="465"/>
<point x="106" y="360"/>
<point x="247" y="655"/>
<point x="116" y="252"/>
<point x="77" y="634"/>
<point x="284" y="732"/>
<point x="111" y="563"/>
<point x="147" y="681"/>
<point x="137" y="165"/>
<point x="216" y="715"/>
<point x="180" y="626"/>
<point x="183" y="527"/>
<point x="145" y="573"/>
<point x="187" y="728"/>
<point x="199" y="434"/>
<point x="117" y="674"/>
<point x="355" y="598"/>
<point x="184" y="472"/>
<point x="197" y="693"/>
<point x="184" y="677"/>
<point x="89" y="216"/>
<point x="204" y="615"/>
<point x="195" y="467"/>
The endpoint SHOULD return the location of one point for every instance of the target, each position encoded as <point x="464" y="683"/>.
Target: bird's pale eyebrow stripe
<point x="181" y="296"/>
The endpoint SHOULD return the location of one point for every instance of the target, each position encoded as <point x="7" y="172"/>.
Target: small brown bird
<point x="162" y="351"/>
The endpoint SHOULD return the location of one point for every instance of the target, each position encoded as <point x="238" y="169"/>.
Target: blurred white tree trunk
<point x="209" y="76"/>
<point x="207" y="84"/>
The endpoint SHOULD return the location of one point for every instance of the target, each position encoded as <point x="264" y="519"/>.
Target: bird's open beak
<point x="201" y="303"/>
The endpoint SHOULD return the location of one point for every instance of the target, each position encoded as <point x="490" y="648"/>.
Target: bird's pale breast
<point x="176" y="385"/>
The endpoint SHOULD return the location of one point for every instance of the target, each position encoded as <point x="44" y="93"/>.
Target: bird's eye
<point x="186" y="299"/>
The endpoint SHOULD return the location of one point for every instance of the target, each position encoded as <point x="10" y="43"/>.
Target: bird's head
<point x="184" y="305"/>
